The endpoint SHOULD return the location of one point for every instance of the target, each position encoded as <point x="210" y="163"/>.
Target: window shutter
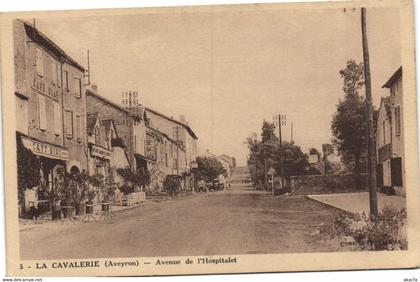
<point x="39" y="64"/>
<point x="78" y="131"/>
<point x="396" y="172"/>
<point x="42" y="113"/>
<point x="69" y="124"/>
<point x="57" y="118"/>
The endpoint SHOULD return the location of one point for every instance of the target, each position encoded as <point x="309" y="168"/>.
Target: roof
<point x="40" y="38"/>
<point x="393" y="78"/>
<point x="164" y="135"/>
<point x="115" y="105"/>
<point x="91" y="122"/>
<point x="108" y="123"/>
<point x="187" y="127"/>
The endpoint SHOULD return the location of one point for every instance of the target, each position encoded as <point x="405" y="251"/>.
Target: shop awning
<point x="144" y="158"/>
<point x="45" y="149"/>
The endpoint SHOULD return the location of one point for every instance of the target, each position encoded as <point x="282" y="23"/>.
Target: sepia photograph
<point x="152" y="140"/>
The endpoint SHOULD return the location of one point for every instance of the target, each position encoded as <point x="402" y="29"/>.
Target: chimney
<point x="182" y="118"/>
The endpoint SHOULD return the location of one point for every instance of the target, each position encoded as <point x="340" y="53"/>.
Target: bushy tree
<point x="349" y="122"/>
<point x="294" y="160"/>
<point x="28" y="169"/>
<point x="266" y="153"/>
<point x="208" y="168"/>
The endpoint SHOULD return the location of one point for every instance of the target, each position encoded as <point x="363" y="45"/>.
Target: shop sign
<point x="45" y="149"/>
<point x="40" y="86"/>
<point x="101" y="152"/>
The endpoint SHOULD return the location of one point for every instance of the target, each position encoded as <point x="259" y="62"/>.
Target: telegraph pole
<point x="281" y="121"/>
<point x="291" y="132"/>
<point x="373" y="200"/>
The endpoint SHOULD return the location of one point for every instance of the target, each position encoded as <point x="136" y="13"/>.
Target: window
<point x="68" y="118"/>
<point x="66" y="80"/>
<point x="78" y="128"/>
<point x="78" y="87"/>
<point x="57" y="118"/>
<point x="39" y="63"/>
<point x="397" y="121"/>
<point x="42" y="113"/>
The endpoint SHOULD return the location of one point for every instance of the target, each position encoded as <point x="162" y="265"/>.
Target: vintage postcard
<point x="210" y="139"/>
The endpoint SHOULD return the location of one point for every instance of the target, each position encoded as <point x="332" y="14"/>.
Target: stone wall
<point x="326" y="184"/>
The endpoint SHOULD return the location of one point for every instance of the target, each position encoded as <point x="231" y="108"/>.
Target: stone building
<point x="179" y="131"/>
<point x="50" y="102"/>
<point x="390" y="138"/>
<point x="183" y="140"/>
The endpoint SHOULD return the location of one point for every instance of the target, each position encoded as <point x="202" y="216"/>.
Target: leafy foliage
<point x="266" y="153"/>
<point x="138" y="178"/>
<point x="108" y="188"/>
<point x="386" y="231"/>
<point x="208" y="168"/>
<point x="172" y="184"/>
<point x="28" y="169"/>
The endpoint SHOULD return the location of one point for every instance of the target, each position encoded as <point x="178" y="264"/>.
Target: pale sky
<point x="254" y="64"/>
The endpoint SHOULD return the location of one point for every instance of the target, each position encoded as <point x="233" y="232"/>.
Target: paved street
<point x="236" y="221"/>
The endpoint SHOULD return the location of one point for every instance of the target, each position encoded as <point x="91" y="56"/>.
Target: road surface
<point x="236" y="221"/>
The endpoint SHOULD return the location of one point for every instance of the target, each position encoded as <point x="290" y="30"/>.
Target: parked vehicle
<point x="202" y="187"/>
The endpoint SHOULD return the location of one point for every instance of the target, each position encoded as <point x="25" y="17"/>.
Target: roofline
<point x="68" y="59"/>
<point x="165" y="135"/>
<point x="113" y="124"/>
<point x="397" y="74"/>
<point x="190" y="131"/>
<point x="92" y="93"/>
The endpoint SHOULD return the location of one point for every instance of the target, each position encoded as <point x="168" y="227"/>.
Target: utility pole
<point x="281" y="121"/>
<point x="373" y="200"/>
<point x="291" y="132"/>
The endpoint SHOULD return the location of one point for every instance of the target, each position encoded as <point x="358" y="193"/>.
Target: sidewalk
<point x="46" y="222"/>
<point x="358" y="202"/>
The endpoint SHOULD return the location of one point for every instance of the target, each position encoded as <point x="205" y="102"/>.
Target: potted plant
<point x="67" y="202"/>
<point x="55" y="193"/>
<point x="80" y="187"/>
<point x="108" y="188"/>
<point x="90" y="195"/>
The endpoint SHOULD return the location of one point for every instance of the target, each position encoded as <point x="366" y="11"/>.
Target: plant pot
<point x="80" y="209"/>
<point x="89" y="207"/>
<point x="56" y="213"/>
<point x="105" y="206"/>
<point x="67" y="211"/>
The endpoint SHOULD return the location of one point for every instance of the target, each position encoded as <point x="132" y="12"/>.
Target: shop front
<point x="38" y="167"/>
<point x="99" y="164"/>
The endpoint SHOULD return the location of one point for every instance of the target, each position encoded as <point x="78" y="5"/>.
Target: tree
<point x="349" y="122"/>
<point x="208" y="168"/>
<point x="294" y="160"/>
<point x="28" y="170"/>
<point x="266" y="153"/>
<point x="267" y="134"/>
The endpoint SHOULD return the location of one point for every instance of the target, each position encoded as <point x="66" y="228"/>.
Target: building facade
<point x="390" y="139"/>
<point x="50" y="102"/>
